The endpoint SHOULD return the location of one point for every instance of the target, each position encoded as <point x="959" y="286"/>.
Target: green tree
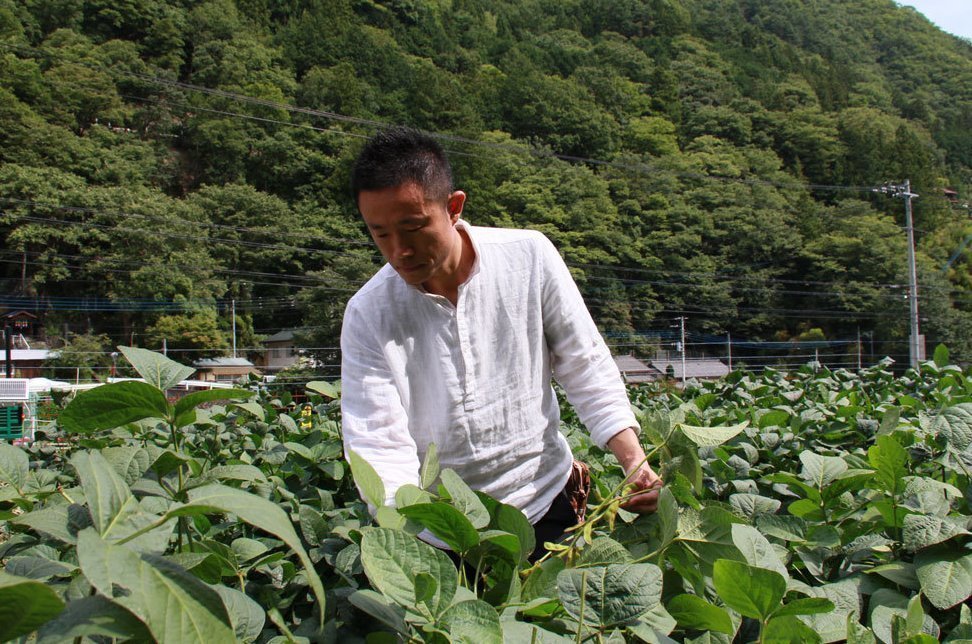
<point x="188" y="337"/>
<point x="83" y="357"/>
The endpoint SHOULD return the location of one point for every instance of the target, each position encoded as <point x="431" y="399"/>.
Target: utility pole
<point x="233" y="306"/>
<point x="729" y="346"/>
<point x="904" y="191"/>
<point x="681" y="344"/>
<point x="8" y="348"/>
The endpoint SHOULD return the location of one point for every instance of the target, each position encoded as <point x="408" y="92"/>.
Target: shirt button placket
<point x="465" y="352"/>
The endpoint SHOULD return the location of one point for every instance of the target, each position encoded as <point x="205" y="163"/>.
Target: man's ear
<point x="455" y="203"/>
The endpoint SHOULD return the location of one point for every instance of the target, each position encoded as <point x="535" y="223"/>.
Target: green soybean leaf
<point x="667" y="513"/>
<point x="172" y="603"/>
<point x="753" y="505"/>
<point x="510" y="519"/>
<point x="155" y="368"/>
<point x="446" y="522"/>
<point x="504" y="541"/>
<point x="388" y="517"/>
<point x="523" y="632"/>
<point x="711" y="436"/>
<point x="889" y="458"/>
<point x="38" y="568"/>
<point x="806" y="510"/>
<point x="955" y="425"/>
<point x="945" y="574"/>
<point x="130" y="461"/>
<point x="610" y="595"/>
<point x="104" y="489"/>
<point x="805" y="606"/>
<point x="254" y="408"/>
<point x="472" y="622"/>
<point x="430" y="467"/>
<point x="257" y="512"/>
<point x="845" y="596"/>
<point x="900" y="572"/>
<point x="710" y="525"/>
<point x="465" y="499"/>
<point x="857" y="633"/>
<point x="246" y="616"/>
<point x="189" y="402"/>
<point x="113" y="405"/>
<point x="603" y="551"/>
<point x="25" y="604"/>
<point x="367" y="480"/>
<point x="889" y="421"/>
<point x="300" y="450"/>
<point x="377" y="606"/>
<point x="93" y="616"/>
<point x="323" y="388"/>
<point x="56" y="521"/>
<point x="409" y="494"/>
<point x="425" y="587"/>
<point x="757" y="549"/>
<point x="392" y="560"/>
<point x="782" y="526"/>
<point x="773" y="418"/>
<point x="239" y="472"/>
<point x="921" y="530"/>
<point x="821" y="471"/>
<point x="788" y="630"/>
<point x="916" y="616"/>
<point x="542" y="581"/>
<point x="14" y="465"/>
<point x="750" y="591"/>
<point x="694" y="613"/>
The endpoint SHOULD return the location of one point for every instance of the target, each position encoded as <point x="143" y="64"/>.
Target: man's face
<point x="416" y="235"/>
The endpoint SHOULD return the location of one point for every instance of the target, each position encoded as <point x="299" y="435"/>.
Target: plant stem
<point x="580" y="619"/>
<point x="601" y="508"/>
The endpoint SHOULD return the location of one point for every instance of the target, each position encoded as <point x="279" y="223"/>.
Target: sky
<point x="953" y="16"/>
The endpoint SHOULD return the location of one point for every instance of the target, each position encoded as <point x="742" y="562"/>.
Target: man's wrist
<point x="627" y="449"/>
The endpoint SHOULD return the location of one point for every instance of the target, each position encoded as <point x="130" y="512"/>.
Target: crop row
<point x="798" y="507"/>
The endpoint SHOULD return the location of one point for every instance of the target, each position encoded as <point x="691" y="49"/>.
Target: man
<point x="455" y="340"/>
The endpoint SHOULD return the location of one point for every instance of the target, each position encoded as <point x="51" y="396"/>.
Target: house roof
<point x="209" y="363"/>
<point x="19" y="313"/>
<point x="281" y="336"/>
<point x="630" y="364"/>
<point x="27" y="355"/>
<point x="694" y="367"/>
<point x="634" y="370"/>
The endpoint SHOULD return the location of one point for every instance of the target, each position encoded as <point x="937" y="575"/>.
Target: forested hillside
<point x="712" y="159"/>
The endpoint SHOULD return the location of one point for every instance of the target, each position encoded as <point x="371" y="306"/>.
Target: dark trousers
<point x="554" y="523"/>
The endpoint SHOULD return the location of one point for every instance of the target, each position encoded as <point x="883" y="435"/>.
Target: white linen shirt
<point x="475" y="378"/>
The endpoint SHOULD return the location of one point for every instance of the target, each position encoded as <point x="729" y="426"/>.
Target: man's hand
<point x="641" y="478"/>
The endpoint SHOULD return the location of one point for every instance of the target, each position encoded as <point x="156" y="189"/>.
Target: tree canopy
<point x="706" y="159"/>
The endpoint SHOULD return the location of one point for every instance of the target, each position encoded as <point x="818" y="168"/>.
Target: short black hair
<point x="401" y="155"/>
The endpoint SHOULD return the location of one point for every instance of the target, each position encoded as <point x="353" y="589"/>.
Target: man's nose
<point x="400" y="248"/>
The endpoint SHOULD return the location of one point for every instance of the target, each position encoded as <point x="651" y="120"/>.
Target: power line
<point x="297" y="250"/>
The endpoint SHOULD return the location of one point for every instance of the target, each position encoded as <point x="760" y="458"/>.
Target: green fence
<point x="11" y="422"/>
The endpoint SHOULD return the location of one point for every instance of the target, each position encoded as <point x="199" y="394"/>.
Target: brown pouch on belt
<point x="578" y="488"/>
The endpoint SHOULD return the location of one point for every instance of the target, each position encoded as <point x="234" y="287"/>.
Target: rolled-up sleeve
<point x="580" y="360"/>
<point x="373" y="418"/>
